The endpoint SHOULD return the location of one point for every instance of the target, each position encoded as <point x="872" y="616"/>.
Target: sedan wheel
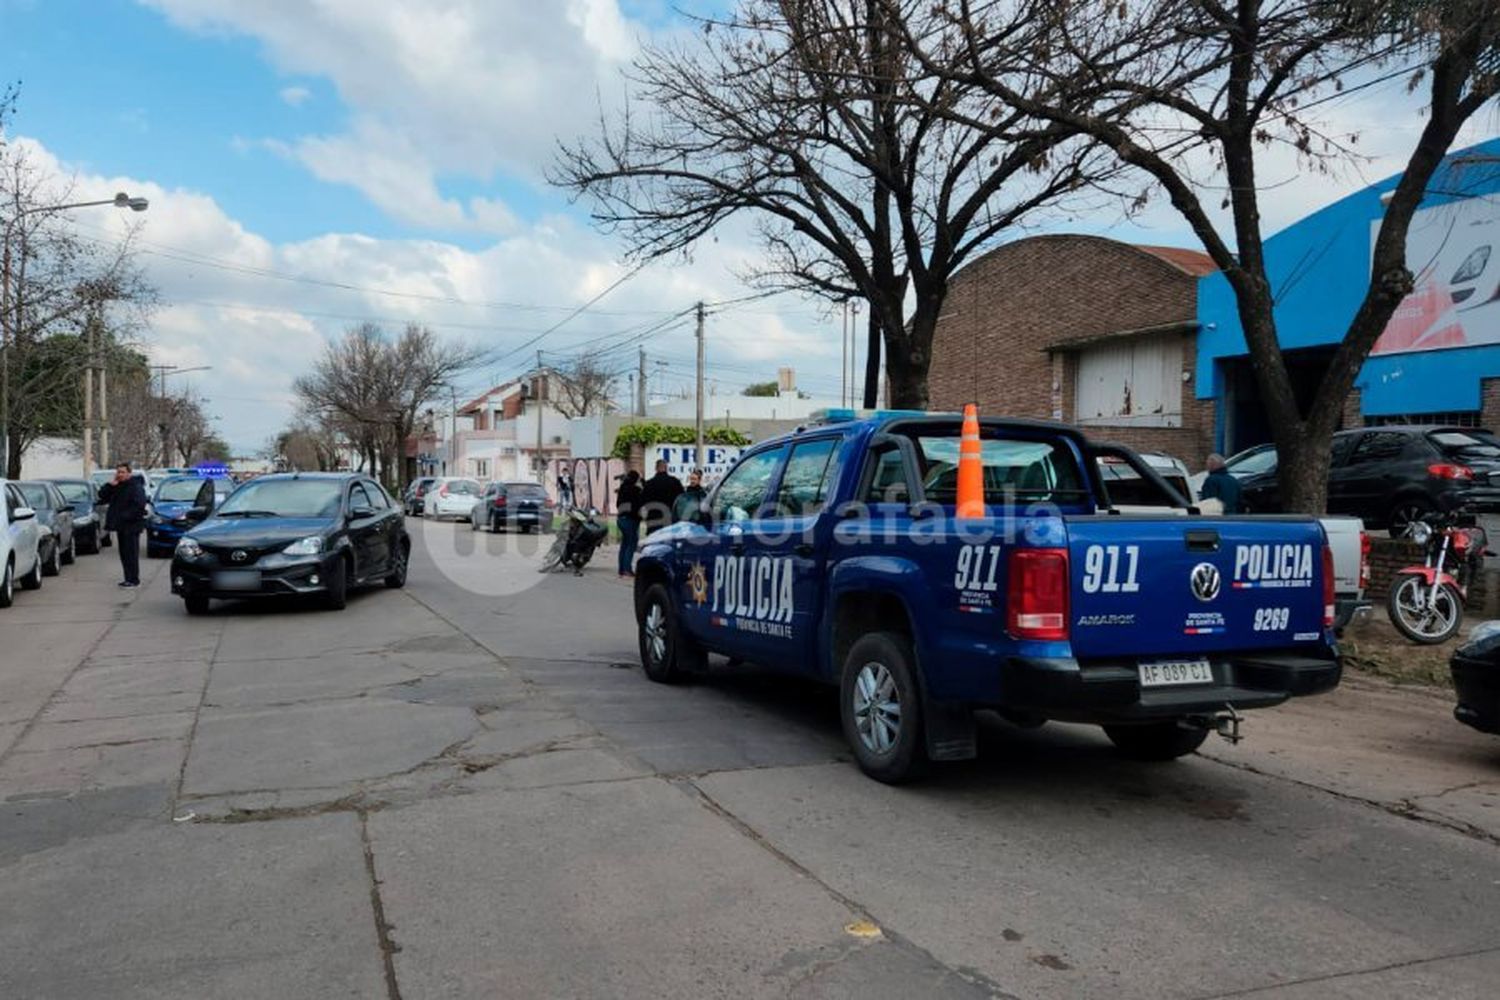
<point x="71" y="553"/>
<point x="8" y="585"/>
<point x="53" y="564"/>
<point x="399" y="563"/>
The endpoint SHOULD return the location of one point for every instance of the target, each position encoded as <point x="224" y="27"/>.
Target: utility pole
<point x="536" y="395"/>
<point x="844" y="363"/>
<point x="104" y="455"/>
<point x="451" y="467"/>
<point x="698" y="418"/>
<point x="88" y="400"/>
<point x="640" y="398"/>
<point x="853" y="353"/>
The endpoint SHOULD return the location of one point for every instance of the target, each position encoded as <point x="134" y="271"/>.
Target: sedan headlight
<point x="309" y="546"/>
<point x="158" y="519"/>
<point x="189" y="548"/>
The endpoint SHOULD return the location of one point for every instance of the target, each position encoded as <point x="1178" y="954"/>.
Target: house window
<point x="1135" y="382"/>
<point x="482" y="468"/>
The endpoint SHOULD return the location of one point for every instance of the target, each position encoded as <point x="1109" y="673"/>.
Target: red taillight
<point x="1036" y="605"/>
<point x="1328" y="597"/>
<point x="1447" y="470"/>
<point x="1364" y="560"/>
<point x="500" y="500"/>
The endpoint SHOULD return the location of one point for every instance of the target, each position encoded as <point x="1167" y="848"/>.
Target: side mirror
<point x="360" y="513"/>
<point x="22" y="514"/>
<point x="196" y="514"/>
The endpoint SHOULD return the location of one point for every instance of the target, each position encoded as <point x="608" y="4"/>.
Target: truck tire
<point x="1156" y="740"/>
<point x="667" y="655"/>
<point x="881" y="707"/>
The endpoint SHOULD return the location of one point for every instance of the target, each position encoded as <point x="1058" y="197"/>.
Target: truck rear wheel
<point x="1156" y="740"/>
<point x="881" y="707"/>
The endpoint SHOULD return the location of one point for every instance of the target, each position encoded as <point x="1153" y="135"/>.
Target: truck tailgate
<point x="1163" y="586"/>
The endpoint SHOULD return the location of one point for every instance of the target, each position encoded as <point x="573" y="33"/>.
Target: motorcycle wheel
<point x="1407" y="606"/>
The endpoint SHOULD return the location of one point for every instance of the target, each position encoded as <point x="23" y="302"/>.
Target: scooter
<point x="581" y="533"/>
<point x="1426" y="602"/>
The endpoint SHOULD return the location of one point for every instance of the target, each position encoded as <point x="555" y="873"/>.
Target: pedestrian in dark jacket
<point x="658" y="495"/>
<point x="1222" y="486"/>
<point x="690" y="504"/>
<point x="628" y="517"/>
<point x="126" y="496"/>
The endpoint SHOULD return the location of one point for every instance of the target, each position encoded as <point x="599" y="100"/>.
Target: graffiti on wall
<point x="594" y="480"/>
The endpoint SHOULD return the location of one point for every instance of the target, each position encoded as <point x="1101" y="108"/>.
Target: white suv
<point x="20" y="544"/>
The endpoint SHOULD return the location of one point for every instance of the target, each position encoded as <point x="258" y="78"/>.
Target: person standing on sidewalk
<point x="657" y="497"/>
<point x="1221" y="486"/>
<point x="628" y="517"/>
<point x="126" y="497"/>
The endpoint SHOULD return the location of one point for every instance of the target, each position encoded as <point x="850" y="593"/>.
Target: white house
<point x="495" y="436"/>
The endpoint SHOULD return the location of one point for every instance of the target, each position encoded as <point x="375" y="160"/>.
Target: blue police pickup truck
<point x="836" y="553"/>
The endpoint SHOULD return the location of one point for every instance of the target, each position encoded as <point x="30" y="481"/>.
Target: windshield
<point x="525" y="490"/>
<point x="1252" y="463"/>
<point x="75" y="492"/>
<point x="36" y="495"/>
<point x="285" y="498"/>
<point x="1466" y="444"/>
<point x="179" y="491"/>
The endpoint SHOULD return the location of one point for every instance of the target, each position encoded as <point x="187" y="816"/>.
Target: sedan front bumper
<point x="272" y="576"/>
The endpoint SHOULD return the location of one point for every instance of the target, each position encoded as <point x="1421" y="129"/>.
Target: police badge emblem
<point x="698" y="584"/>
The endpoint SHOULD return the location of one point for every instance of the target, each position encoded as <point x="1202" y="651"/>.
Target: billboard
<point x="1453" y="251"/>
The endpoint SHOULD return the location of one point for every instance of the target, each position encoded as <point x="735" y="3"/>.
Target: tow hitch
<point x="1226" y="723"/>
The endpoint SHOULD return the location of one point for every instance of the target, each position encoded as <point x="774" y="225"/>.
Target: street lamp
<point x="120" y="200"/>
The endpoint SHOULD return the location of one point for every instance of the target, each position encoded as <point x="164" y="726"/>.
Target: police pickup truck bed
<point x="836" y="553"/>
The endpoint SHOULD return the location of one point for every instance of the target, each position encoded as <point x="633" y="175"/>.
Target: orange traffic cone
<point x="970" y="467"/>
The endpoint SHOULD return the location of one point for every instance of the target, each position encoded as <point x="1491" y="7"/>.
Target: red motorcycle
<point x="1426" y="602"/>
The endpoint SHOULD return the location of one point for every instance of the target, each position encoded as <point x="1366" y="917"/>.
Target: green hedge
<point x="654" y="433"/>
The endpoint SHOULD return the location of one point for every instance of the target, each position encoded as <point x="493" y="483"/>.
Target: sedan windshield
<point x="36" y="495"/>
<point x="75" y="492"/>
<point x="285" y="498"/>
<point x="179" y="491"/>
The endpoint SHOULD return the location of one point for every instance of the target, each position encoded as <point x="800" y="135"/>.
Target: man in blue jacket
<point x="126" y="497"/>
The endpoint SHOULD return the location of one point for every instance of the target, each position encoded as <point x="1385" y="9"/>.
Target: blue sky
<point x="399" y="146"/>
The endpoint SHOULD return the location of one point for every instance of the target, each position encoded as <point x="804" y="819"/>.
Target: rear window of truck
<point x="1016" y="470"/>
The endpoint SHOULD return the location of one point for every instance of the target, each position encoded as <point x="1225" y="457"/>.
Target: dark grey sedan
<point x="88" y="513"/>
<point x="59" y="546"/>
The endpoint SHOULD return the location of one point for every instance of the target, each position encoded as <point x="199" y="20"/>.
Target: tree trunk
<point x="908" y="358"/>
<point x="872" y="363"/>
<point x="13" y="460"/>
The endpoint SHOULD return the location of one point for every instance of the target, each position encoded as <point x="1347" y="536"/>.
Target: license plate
<point x="1165" y="673"/>
<point x="237" y="579"/>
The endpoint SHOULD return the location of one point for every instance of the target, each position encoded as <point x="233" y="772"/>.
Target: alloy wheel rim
<point x="877" y="708"/>
<point x="655" y="627"/>
<point x="1434" y="620"/>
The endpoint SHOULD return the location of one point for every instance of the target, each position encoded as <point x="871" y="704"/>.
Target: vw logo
<point x="240" y="555"/>
<point x="1205" y="581"/>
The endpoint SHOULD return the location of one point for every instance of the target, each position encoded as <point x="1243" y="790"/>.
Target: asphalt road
<point x="467" y="789"/>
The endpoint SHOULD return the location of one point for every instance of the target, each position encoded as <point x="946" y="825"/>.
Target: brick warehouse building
<point x="1081" y="329"/>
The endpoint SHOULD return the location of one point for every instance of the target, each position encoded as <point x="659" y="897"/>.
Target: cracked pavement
<point x="443" y="793"/>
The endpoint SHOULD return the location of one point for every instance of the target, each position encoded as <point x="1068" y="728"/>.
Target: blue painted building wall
<point x="1320" y="269"/>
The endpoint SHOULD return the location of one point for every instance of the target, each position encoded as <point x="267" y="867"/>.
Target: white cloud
<point x="468" y="88"/>
<point x="258" y="332"/>
<point x="295" y="96"/>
